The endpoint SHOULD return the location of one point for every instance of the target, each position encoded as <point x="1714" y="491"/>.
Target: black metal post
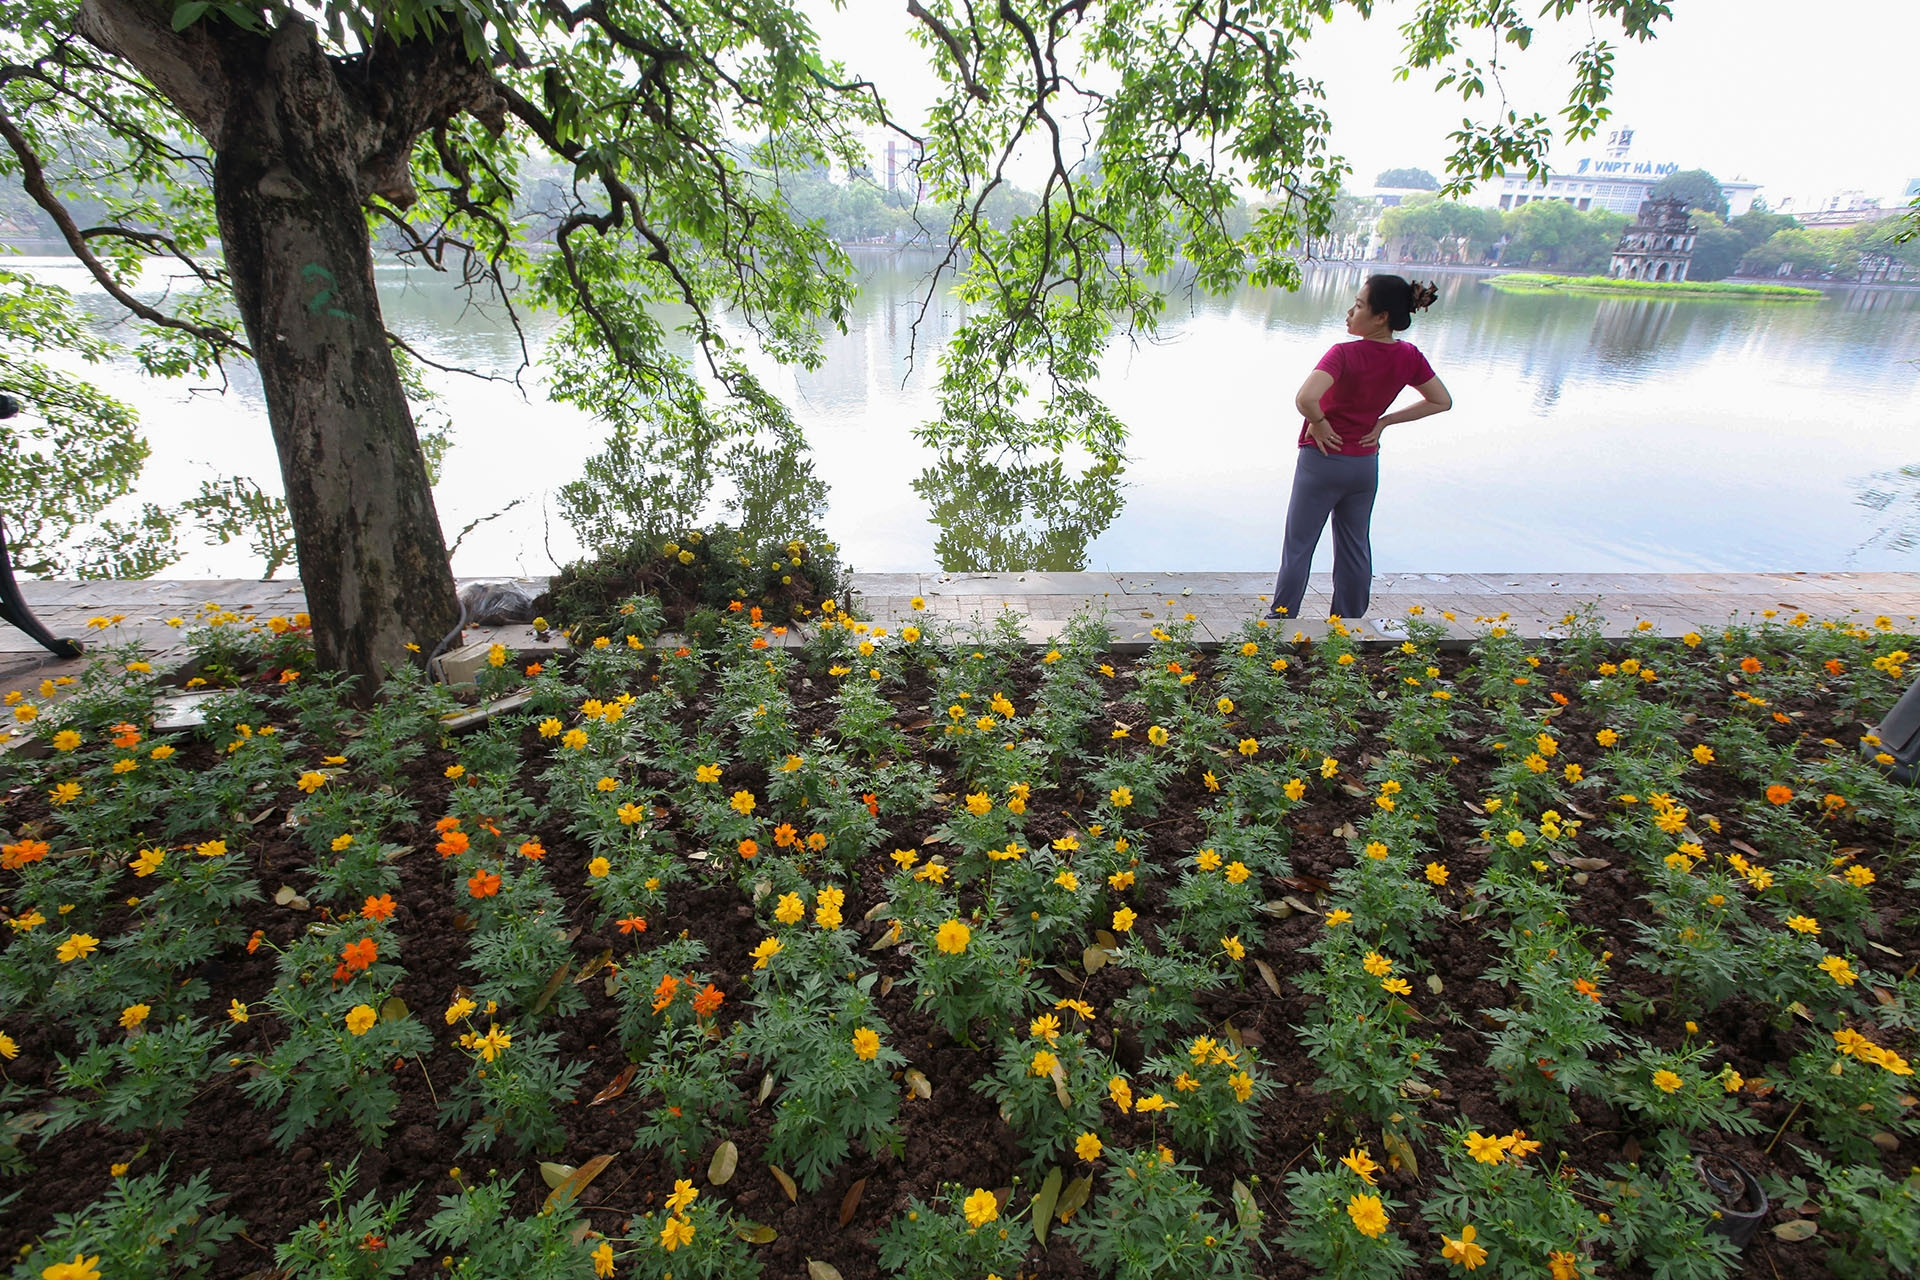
<point x="13" y="605"/>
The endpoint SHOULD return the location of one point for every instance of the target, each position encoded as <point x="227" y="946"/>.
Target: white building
<point x="1611" y="181"/>
<point x="892" y="163"/>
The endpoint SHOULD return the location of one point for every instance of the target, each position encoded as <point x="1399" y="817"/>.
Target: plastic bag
<point x="497" y="604"/>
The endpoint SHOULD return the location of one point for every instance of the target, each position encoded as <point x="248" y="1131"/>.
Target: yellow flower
<point x="791" y="910"/>
<point x="1087" y="1146"/>
<point x="1121" y="797"/>
<point x="631" y="813"/>
<point x="1858" y="876"/>
<point x="1839" y="970"/>
<point x="237" y="1010"/>
<point x="574" y="740"/>
<point x="979" y="803"/>
<point x="1120" y="880"/>
<point x="459" y="1009"/>
<point x="1295" y="788"/>
<point x="1369" y="1216"/>
<point x="1068" y="881"/>
<point x="550" y="728"/>
<point x="1234" y="948"/>
<point x="341" y="843"/>
<point x="1516" y="837"/>
<point x="1045" y="1027"/>
<point x="1666" y="1081"/>
<point x="66" y="740"/>
<point x="1249" y="747"/>
<point x="453" y="771"/>
<point x="133" y="1015"/>
<point x="1376" y="964"/>
<point x="765" y="951"/>
<point x="65" y="793"/>
<point x="1463" y="1252"/>
<point x="1803" y="924"/>
<point x="1437" y="873"/>
<point x="148" y="862"/>
<point x="603" y="1260"/>
<point x="866" y="1044"/>
<point x="1338" y="916"/>
<point x="1043" y="1063"/>
<point x="1123" y="919"/>
<point x="952" y="937"/>
<point x="676" y="1232"/>
<point x="1157" y="736"/>
<point x="1153" y="1102"/>
<point x="1376" y="849"/>
<point x="1703" y="754"/>
<point x="742" y="802"/>
<point x="1361" y="1163"/>
<point x="81" y="1268"/>
<point x="1485" y="1149"/>
<point x="211" y="848"/>
<point x="1606" y="737"/>
<point x="360" y="1019"/>
<point x="981" y="1208"/>
<point x="1396" y="986"/>
<point x="1207" y="860"/>
<point x="1121" y="1093"/>
<point x="77" y="947"/>
<point x="599" y="867"/>
<point x="1237" y="872"/>
<point x="8" y="1049"/>
<point x="1329" y="767"/>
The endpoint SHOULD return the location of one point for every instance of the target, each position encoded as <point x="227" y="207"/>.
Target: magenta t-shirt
<point x="1367" y="375"/>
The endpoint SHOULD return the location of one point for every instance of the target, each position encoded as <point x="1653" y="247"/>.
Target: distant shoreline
<point x="1533" y="282"/>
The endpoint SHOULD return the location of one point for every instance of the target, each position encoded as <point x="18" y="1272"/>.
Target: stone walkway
<point x="1220" y="602"/>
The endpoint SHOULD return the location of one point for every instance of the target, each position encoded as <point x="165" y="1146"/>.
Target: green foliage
<point x="1699" y="189"/>
<point x="72" y="452"/>
<point x="1870" y="1222"/>
<point x="1405" y="177"/>
<point x="925" y="1243"/>
<point x="476" y="1227"/>
<point x="1660" y="1208"/>
<point x="1324" y="1233"/>
<point x="1552" y="233"/>
<point x="361" y="1241"/>
<point x="1153" y="1221"/>
<point x="142" y="1229"/>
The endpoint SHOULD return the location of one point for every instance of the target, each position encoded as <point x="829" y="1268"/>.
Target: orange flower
<point x="483" y="884"/>
<point x="253" y="943"/>
<point x="754" y="615"/>
<point x="531" y="850"/>
<point x="749" y="849"/>
<point x="125" y="735"/>
<point x="1559" y="697"/>
<point x="535" y="669"/>
<point x="759" y="642"/>
<point x="784" y="836"/>
<point x="734" y="606"/>
<point x="1834" y="666"/>
<point x="356" y="956"/>
<point x="1587" y="989"/>
<point x="1778" y="794"/>
<point x="707" y="1003"/>
<point x="23" y="852"/>
<point x="1750" y="665"/>
<point x="447" y="824"/>
<point x="664" y="992"/>
<point x="453" y="842"/>
<point x="816" y="841"/>
<point x="633" y="924"/>
<point x="872" y="802"/>
<point x="380" y="908"/>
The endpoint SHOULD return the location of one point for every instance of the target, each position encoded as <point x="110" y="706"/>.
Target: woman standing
<point x="1343" y="404"/>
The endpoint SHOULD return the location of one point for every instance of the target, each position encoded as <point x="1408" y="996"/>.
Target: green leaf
<point x="1043" y="1203"/>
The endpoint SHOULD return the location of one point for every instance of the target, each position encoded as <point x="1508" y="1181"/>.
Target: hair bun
<point x="1424" y="295"/>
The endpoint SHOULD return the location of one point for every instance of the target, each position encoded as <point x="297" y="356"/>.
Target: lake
<point x="1589" y="434"/>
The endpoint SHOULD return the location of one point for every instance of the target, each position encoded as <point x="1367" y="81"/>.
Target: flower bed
<point x="932" y="955"/>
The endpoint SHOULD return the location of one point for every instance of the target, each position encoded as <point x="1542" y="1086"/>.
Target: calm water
<point x="1588" y="434"/>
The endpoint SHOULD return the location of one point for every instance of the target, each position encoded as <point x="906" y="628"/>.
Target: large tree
<point x="1697" y="188"/>
<point x="295" y="132"/>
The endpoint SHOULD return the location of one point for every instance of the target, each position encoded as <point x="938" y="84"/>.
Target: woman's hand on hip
<point x="1372" y="437"/>
<point x="1324" y="437"/>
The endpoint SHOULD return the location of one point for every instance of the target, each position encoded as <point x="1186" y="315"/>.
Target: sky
<point x="1807" y="99"/>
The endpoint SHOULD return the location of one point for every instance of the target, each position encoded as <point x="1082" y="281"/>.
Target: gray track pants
<point x="1342" y="487"/>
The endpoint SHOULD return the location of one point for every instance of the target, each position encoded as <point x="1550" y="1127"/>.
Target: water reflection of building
<point x="1658" y="246"/>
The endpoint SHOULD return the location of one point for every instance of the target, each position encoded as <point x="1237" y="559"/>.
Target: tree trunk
<point x="286" y="186"/>
<point x="300" y="141"/>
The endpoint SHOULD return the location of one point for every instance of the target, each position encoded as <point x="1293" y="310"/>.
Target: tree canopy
<point x="292" y="134"/>
<point x="1418" y="179"/>
<point x="1698" y="188"/>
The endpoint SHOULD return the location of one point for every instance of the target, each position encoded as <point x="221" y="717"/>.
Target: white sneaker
<point x="1391" y="628"/>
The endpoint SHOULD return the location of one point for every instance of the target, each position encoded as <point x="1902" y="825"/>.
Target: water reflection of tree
<point x="1895" y="494"/>
<point x="1010" y="514"/>
<point x="656" y="480"/>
